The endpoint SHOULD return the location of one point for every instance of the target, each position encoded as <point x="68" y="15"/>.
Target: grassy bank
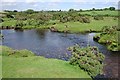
<point x="110" y="40"/>
<point x="36" y="67"/>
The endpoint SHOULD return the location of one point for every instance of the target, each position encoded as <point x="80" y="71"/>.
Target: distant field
<point x="108" y="12"/>
<point x="94" y="25"/>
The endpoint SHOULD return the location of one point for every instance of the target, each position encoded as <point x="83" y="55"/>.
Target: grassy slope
<point x="95" y="25"/>
<point x="38" y="67"/>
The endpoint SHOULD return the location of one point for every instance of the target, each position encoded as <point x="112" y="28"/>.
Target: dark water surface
<point x="54" y="45"/>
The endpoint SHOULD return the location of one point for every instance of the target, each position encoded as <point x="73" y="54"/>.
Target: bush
<point x="64" y="19"/>
<point x="85" y="20"/>
<point x="109" y="29"/>
<point x="89" y="59"/>
<point x="1" y="20"/>
<point x="113" y="46"/>
<point x="98" y="18"/>
<point x="6" y="51"/>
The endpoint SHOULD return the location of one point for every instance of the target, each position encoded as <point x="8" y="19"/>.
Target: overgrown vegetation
<point x="109" y="37"/>
<point x="98" y="18"/>
<point x="89" y="59"/>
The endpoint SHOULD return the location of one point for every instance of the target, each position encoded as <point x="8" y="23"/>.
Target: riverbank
<point x="110" y="40"/>
<point x="72" y="27"/>
<point x="93" y="26"/>
<point x="30" y="66"/>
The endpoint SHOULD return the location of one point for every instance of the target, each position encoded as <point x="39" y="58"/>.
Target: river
<point x="54" y="45"/>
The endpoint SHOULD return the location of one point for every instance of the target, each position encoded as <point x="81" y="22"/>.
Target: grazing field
<point x="94" y="25"/>
<point x="37" y="67"/>
<point x="103" y="13"/>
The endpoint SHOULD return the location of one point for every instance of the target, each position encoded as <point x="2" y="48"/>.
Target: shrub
<point x="85" y="20"/>
<point x="98" y="18"/>
<point x="89" y="59"/>
<point x="64" y="19"/>
<point x="113" y="46"/>
<point x="19" y="24"/>
<point x="109" y="29"/>
<point x="1" y="20"/>
<point x="6" y="51"/>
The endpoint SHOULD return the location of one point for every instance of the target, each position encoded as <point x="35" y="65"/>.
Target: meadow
<point x="94" y="25"/>
<point x="103" y="13"/>
<point x="30" y="66"/>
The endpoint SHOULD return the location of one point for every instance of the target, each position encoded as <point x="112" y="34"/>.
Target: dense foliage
<point x="89" y="59"/>
<point x="98" y="18"/>
<point x="109" y="37"/>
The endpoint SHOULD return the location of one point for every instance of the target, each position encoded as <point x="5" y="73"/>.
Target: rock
<point x="53" y="29"/>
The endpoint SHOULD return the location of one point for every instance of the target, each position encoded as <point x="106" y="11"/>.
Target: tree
<point x="60" y="10"/>
<point x="80" y="10"/>
<point x="93" y="9"/>
<point x="15" y="11"/>
<point x="106" y="9"/>
<point x="29" y="11"/>
<point x="71" y="10"/>
<point x="112" y="8"/>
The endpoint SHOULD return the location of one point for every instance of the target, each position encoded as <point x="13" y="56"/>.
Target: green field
<point x="103" y="13"/>
<point x="37" y="67"/>
<point x="94" y="25"/>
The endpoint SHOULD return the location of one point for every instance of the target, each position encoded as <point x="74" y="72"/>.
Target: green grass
<point x="38" y="67"/>
<point x="8" y="22"/>
<point x="94" y="25"/>
<point x="107" y="12"/>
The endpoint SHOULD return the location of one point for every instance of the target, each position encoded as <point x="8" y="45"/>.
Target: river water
<point x="54" y="45"/>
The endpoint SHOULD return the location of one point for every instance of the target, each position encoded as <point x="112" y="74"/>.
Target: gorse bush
<point x="98" y="18"/>
<point x="109" y="29"/>
<point x="109" y="37"/>
<point x="85" y="20"/>
<point x="89" y="59"/>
